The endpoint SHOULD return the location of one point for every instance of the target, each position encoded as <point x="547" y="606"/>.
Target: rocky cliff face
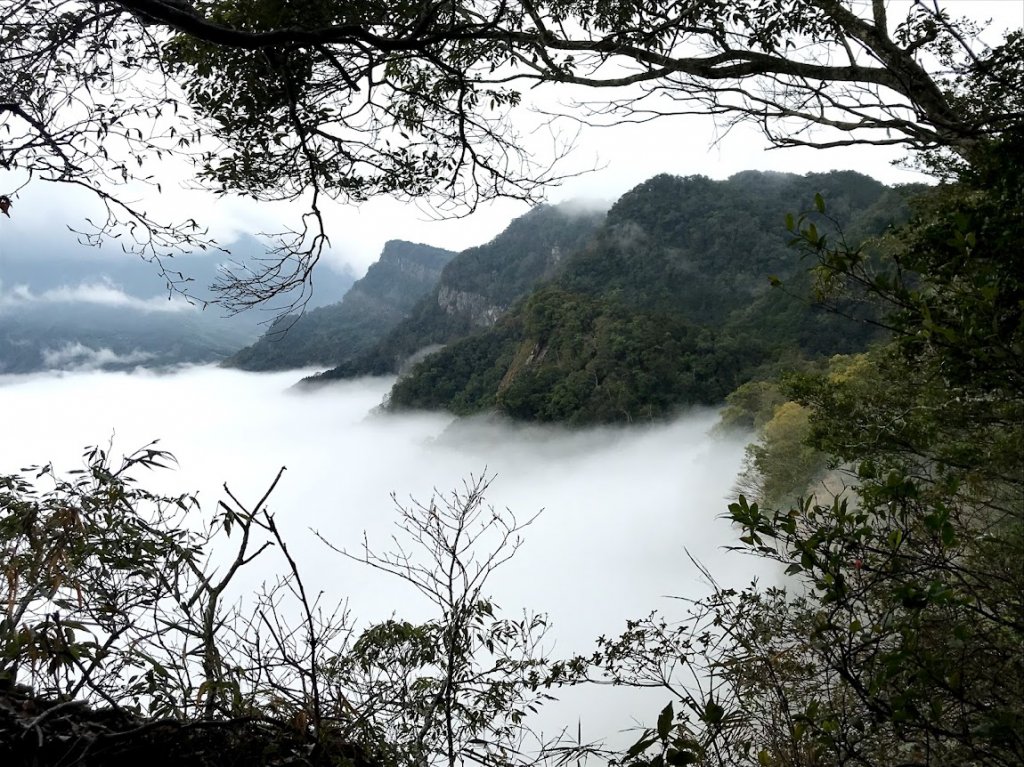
<point x="475" y="307"/>
<point x="419" y="263"/>
<point x="480" y="284"/>
<point x="480" y="310"/>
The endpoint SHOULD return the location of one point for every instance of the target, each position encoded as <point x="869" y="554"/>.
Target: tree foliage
<point x="275" y="101"/>
<point x="120" y="597"/>
<point x="311" y="100"/>
<point x="897" y="639"/>
<point x="816" y="72"/>
<point x="896" y="635"/>
<point x="459" y="688"/>
<point x="83" y="561"/>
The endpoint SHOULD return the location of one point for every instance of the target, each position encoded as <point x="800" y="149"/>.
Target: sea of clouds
<point x="623" y="508"/>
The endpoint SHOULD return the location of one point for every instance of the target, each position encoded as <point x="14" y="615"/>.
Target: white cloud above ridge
<point x="93" y="292"/>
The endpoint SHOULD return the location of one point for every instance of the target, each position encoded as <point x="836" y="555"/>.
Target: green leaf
<point x="714" y="713"/>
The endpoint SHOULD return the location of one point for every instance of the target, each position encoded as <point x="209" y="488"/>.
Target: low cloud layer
<point x="582" y="206"/>
<point x="99" y="293"/>
<point x="622" y="507"/>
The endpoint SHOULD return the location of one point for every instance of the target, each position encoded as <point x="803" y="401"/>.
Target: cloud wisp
<point x="78" y="356"/>
<point x="97" y="293"/>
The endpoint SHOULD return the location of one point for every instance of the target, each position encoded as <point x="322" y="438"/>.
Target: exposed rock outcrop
<point x="480" y="312"/>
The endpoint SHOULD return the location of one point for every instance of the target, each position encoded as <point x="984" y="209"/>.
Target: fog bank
<point x="621" y="506"/>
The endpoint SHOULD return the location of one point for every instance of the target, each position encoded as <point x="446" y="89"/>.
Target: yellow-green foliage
<point x="780" y="466"/>
<point x="751" y="405"/>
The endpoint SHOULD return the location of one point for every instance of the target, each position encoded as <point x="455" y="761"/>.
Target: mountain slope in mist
<point x="374" y="305"/>
<point x="669" y="305"/>
<point x="479" y="285"/>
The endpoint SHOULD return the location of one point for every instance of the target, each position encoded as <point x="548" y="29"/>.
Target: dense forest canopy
<point x="669" y="304"/>
<point x="478" y="286"/>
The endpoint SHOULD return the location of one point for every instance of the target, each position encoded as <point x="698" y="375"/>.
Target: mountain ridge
<point x="373" y="305"/>
<point x="477" y="287"/>
<point x="669" y="305"/>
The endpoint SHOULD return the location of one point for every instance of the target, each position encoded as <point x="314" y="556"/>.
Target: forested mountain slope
<point x="329" y="335"/>
<point x="479" y="285"/>
<point x="670" y="304"/>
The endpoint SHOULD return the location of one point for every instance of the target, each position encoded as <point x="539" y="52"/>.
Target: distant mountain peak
<point x="404" y="272"/>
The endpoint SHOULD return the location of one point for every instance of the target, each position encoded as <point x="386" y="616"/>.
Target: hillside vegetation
<point x="670" y="304"/>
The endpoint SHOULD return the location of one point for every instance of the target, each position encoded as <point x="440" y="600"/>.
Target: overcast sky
<point x="625" y="155"/>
